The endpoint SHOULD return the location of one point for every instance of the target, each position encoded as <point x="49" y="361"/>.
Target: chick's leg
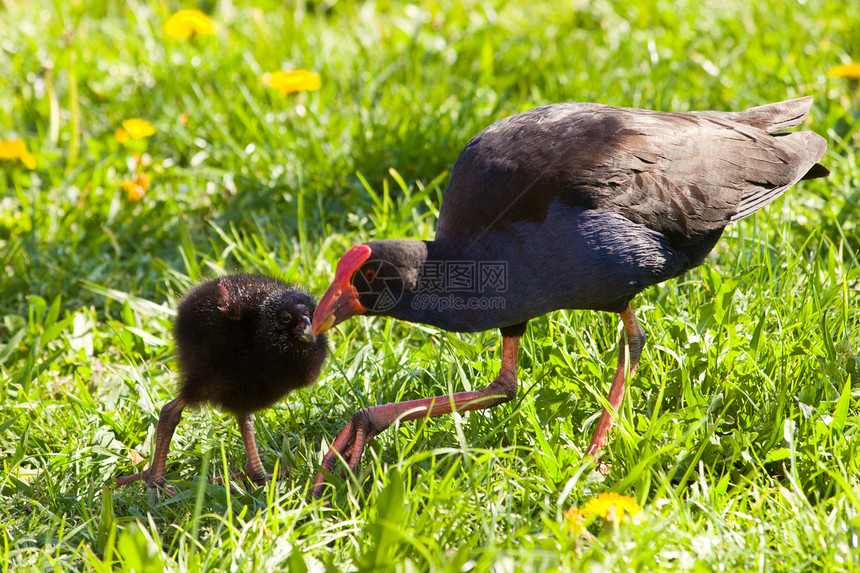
<point x="253" y="466"/>
<point x="154" y="474"/>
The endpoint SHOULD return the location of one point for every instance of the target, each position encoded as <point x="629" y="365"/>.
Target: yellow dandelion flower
<point x="120" y="135"/>
<point x="143" y="179"/>
<point x="17" y="149"/>
<point x="611" y="506"/>
<point x="133" y="191"/>
<point x="136" y="188"/>
<point x="187" y="22"/>
<point x="293" y="81"/>
<point x="136" y="128"/>
<point x="850" y="71"/>
<point x="574" y="519"/>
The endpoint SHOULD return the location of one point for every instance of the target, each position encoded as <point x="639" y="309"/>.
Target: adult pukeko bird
<point x="572" y="205"/>
<point x="243" y="342"/>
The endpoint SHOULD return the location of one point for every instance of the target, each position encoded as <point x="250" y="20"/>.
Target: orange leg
<point x="635" y="336"/>
<point x="370" y="422"/>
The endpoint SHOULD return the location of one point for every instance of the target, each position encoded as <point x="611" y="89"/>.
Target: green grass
<point x="739" y="436"/>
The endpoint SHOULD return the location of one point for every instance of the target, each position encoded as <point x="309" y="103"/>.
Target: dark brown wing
<point x="685" y="175"/>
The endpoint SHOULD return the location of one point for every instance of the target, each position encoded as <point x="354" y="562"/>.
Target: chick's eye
<point x="285" y="316"/>
<point x="370" y="274"/>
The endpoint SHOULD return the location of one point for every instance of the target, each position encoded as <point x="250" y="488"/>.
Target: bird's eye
<point x="285" y="317"/>
<point x="370" y="274"/>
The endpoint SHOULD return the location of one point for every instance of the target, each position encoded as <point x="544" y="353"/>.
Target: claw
<point x="159" y="488"/>
<point x="348" y="446"/>
<point x="155" y="484"/>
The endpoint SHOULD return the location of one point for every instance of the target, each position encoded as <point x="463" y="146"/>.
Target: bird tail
<point x="769" y="118"/>
<point x="775" y="117"/>
<point x="802" y="149"/>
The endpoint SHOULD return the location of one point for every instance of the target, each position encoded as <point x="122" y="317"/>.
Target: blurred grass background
<point x="739" y="435"/>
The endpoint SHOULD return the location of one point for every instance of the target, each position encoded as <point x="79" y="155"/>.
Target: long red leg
<point x="154" y="474"/>
<point x="635" y="342"/>
<point x="370" y="422"/>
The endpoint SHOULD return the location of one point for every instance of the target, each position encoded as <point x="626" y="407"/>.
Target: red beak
<point x="340" y="301"/>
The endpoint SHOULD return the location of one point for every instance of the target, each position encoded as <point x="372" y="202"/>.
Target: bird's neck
<point x="450" y="286"/>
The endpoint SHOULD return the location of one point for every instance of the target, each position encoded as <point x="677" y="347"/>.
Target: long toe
<point x="260" y="480"/>
<point x="161" y="488"/>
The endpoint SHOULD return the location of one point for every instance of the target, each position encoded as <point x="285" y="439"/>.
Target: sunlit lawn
<point x="140" y="157"/>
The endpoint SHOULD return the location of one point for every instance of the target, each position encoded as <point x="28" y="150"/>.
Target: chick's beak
<point x="341" y="299"/>
<point x="303" y="328"/>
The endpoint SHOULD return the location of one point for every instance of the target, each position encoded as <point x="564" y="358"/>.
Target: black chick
<point x="243" y="342"/>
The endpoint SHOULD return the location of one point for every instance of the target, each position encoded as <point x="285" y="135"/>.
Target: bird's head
<point x="286" y="319"/>
<point x="372" y="278"/>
